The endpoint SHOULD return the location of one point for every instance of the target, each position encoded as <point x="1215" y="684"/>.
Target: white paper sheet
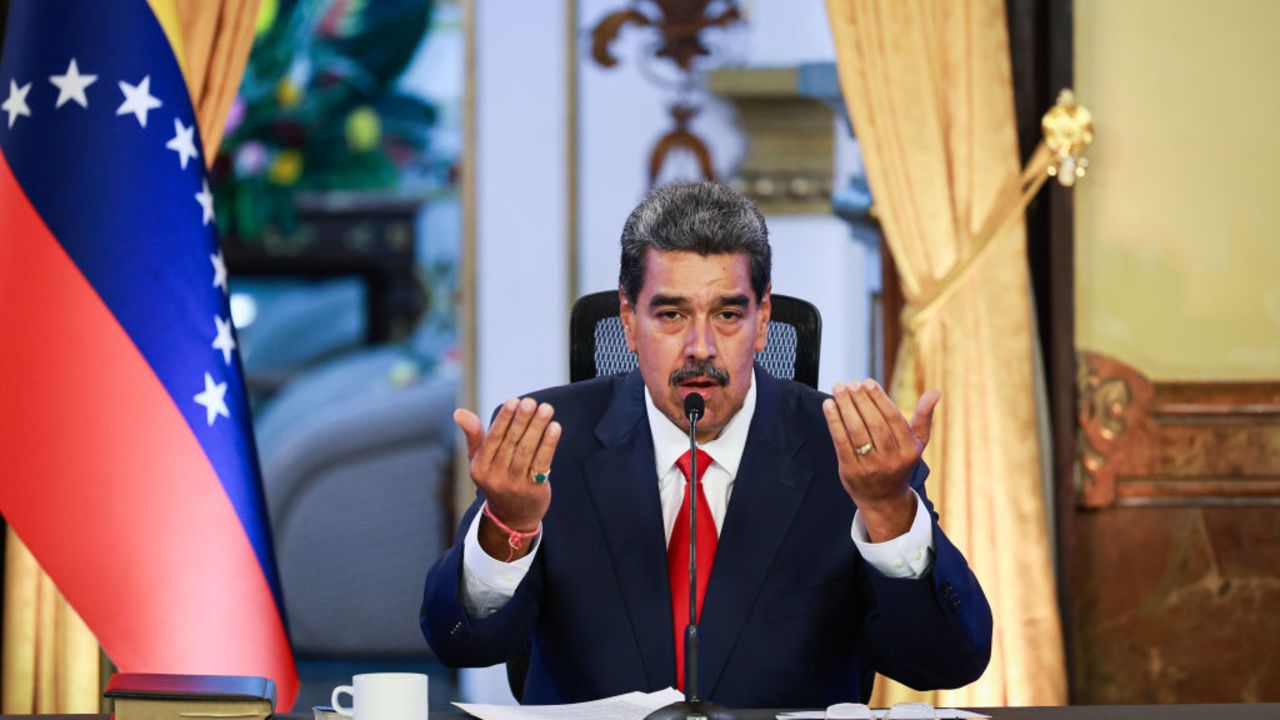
<point x="882" y="713"/>
<point x="631" y="706"/>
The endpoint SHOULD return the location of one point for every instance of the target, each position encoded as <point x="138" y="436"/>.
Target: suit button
<point x="457" y="628"/>
<point x="950" y="597"/>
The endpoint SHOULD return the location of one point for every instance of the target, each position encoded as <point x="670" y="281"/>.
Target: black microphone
<point x="691" y="707"/>
<point x="694" y="406"/>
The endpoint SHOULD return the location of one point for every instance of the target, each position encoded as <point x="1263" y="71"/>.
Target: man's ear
<point x="627" y="313"/>
<point x="763" y="313"/>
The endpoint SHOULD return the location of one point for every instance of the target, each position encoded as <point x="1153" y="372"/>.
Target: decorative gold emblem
<point x="1068" y="130"/>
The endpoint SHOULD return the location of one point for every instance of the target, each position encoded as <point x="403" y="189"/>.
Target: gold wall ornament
<point x="1145" y="442"/>
<point x="1068" y="130"/>
<point x="679" y="26"/>
<point x="680" y="137"/>
<point x="1112" y="398"/>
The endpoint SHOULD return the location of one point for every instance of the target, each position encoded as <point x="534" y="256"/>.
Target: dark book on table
<point x="150" y="696"/>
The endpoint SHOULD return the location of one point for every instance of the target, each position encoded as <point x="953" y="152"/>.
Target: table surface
<point x="1269" y="711"/>
<point x="1261" y="711"/>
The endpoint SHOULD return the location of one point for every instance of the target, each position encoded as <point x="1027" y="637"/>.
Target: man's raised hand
<point x="877" y="450"/>
<point x="504" y="462"/>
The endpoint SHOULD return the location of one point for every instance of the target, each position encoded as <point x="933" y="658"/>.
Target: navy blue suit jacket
<point x="793" y="616"/>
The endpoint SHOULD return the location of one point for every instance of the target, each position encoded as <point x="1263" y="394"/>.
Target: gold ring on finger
<point x="540" y="477"/>
<point x="864" y="449"/>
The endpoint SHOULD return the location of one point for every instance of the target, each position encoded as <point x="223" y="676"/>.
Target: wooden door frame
<point x="1041" y="47"/>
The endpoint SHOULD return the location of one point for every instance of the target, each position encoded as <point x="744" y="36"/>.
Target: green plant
<point x="319" y="109"/>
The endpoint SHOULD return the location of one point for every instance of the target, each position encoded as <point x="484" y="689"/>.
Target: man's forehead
<point x="680" y="273"/>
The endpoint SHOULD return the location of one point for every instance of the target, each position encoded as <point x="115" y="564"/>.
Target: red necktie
<point x="678" y="556"/>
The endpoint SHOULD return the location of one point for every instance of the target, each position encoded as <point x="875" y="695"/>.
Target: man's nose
<point x="700" y="341"/>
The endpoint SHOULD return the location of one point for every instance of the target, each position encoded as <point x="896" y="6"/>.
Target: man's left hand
<point x="877" y="450"/>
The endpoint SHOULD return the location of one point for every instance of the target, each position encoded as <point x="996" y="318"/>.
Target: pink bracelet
<point x="515" y="538"/>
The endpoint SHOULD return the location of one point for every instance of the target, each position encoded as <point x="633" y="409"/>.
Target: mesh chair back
<point x="597" y="345"/>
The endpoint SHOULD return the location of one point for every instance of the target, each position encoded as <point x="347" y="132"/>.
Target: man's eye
<point x="730" y="316"/>
<point x="669" y="315"/>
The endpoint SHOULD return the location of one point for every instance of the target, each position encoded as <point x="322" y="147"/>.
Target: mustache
<point x="700" y="368"/>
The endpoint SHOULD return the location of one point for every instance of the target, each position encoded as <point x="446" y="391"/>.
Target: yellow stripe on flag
<point x="167" y="13"/>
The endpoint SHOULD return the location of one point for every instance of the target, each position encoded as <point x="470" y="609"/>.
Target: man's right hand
<point x="520" y="443"/>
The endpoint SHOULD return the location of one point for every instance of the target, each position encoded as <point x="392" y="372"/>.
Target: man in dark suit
<point x="821" y="561"/>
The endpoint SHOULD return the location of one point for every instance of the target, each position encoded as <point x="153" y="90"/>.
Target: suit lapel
<point x="624" y="490"/>
<point x="771" y="481"/>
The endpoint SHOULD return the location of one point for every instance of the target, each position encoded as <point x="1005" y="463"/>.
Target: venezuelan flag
<point x="127" y="462"/>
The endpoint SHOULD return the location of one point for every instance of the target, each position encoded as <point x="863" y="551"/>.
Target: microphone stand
<point x="692" y="708"/>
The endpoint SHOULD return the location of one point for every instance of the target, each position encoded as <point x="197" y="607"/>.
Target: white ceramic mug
<point x="384" y="696"/>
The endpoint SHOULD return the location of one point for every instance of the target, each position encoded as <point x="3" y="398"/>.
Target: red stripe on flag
<point x="107" y="486"/>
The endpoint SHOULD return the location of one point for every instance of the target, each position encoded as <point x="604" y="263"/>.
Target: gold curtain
<point x="50" y="658"/>
<point x="929" y="87"/>
<point x="213" y="39"/>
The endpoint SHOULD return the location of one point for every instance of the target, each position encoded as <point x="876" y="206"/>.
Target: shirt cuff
<point x="909" y="556"/>
<point x="487" y="582"/>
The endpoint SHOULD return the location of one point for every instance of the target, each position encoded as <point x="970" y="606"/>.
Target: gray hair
<point x="702" y="217"/>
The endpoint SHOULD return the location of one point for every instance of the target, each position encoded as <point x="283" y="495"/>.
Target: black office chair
<point x="597" y="345"/>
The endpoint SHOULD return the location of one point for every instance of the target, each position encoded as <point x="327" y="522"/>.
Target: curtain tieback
<point x="1013" y="199"/>
<point x="1068" y="130"/>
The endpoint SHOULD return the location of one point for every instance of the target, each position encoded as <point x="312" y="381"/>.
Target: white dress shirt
<point x="488" y="583"/>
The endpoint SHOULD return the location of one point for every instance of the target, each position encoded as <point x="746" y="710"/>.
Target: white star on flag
<point x="214" y="399"/>
<point x="16" y="104"/>
<point x="205" y="198"/>
<point x="224" y="341"/>
<point x="219" y="271"/>
<point x="71" y="86"/>
<point x="138" y="100"/>
<point x="183" y="142"/>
